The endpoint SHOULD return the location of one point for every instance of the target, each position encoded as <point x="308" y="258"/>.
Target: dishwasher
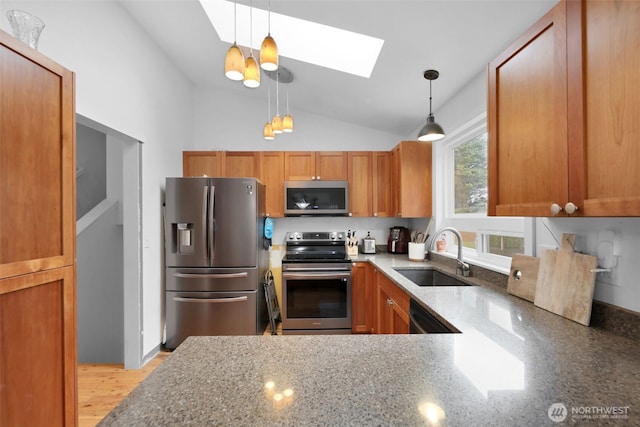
<point x="423" y="322"/>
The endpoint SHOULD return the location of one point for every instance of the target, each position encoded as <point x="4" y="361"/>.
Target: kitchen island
<point x="513" y="364"/>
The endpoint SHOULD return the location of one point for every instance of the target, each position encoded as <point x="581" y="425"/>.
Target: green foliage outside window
<point x="470" y="160"/>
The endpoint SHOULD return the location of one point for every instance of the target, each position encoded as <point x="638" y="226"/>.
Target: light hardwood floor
<point x="101" y="387"/>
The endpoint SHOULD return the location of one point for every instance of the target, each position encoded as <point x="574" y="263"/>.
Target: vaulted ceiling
<point x="456" y="37"/>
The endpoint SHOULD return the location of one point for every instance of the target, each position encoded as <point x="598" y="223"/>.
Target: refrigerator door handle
<point x="211" y="236"/>
<point x="205" y="245"/>
<point x="210" y="300"/>
<point x="211" y="276"/>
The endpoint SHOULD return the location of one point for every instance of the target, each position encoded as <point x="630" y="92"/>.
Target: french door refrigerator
<point x="214" y="257"/>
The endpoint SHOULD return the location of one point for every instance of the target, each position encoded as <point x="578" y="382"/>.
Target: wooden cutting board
<point x="565" y="282"/>
<point x="524" y="284"/>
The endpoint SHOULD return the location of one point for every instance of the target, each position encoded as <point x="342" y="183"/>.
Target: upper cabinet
<point x="608" y="116"/>
<point x="241" y="164"/>
<point x="561" y="106"/>
<point x="382" y="193"/>
<point x="360" y="183"/>
<point x="315" y="165"/>
<point x="411" y="179"/>
<point x="527" y="119"/>
<point x="272" y="176"/>
<point x="201" y="163"/>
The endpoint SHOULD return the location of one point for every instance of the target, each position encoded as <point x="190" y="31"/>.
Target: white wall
<point x="231" y="120"/>
<point x="621" y="288"/>
<point x="125" y="82"/>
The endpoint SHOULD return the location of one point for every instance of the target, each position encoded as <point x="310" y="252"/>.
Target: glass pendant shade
<point x="269" y="54"/>
<point x="268" y="132"/>
<point x="431" y="131"/>
<point x="276" y="123"/>
<point x="287" y="123"/>
<point x="234" y="63"/>
<point x="251" y="73"/>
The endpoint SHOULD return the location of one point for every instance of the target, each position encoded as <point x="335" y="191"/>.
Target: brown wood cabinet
<point x="38" y="341"/>
<point x="411" y="179"/>
<point x="241" y="164"/>
<point x="315" y="165"/>
<point x="562" y="109"/>
<point x="360" y="168"/>
<point x="382" y="181"/>
<point x="201" y="163"/>
<point x="392" y="307"/>
<point x="363" y="293"/>
<point x="272" y="176"/>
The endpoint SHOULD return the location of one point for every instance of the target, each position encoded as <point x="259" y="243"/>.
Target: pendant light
<point x="234" y="61"/>
<point x="276" y="123"/>
<point x="269" y="49"/>
<point x="267" y="132"/>
<point x="251" y="70"/>
<point x="431" y="131"/>
<point x="287" y="120"/>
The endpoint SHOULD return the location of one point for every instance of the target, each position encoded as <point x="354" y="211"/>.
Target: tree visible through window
<point x="470" y="161"/>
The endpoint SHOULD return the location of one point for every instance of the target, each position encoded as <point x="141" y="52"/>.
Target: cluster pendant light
<point x="267" y="132"/>
<point x="234" y="61"/>
<point x="269" y="49"/>
<point x="237" y="68"/>
<point x="431" y="131"/>
<point x="278" y="123"/>
<point x="251" y="70"/>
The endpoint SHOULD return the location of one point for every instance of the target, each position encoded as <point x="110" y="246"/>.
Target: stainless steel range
<point x="316" y="284"/>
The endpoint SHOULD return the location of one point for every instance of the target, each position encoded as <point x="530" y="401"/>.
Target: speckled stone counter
<point x="513" y="364"/>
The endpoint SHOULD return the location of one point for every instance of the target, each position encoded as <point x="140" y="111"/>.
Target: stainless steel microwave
<point x="309" y="198"/>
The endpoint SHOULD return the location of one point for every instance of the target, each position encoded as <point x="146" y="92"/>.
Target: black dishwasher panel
<point x="423" y="322"/>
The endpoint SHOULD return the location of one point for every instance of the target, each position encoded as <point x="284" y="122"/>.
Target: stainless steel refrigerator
<point x="214" y="257"/>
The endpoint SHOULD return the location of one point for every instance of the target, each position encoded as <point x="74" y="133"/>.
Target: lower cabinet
<point x="363" y="292"/>
<point x="392" y="307"/>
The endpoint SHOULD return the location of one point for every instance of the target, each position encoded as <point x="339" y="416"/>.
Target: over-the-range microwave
<point x="309" y="198"/>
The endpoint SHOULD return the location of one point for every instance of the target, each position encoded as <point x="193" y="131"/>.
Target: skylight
<point x="298" y="39"/>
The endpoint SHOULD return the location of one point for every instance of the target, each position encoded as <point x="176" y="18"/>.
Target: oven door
<point x="316" y="301"/>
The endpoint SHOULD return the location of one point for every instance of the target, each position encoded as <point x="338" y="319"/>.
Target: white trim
<point x="481" y="224"/>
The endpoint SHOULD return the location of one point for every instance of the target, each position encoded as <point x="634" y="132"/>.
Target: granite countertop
<point x="513" y="364"/>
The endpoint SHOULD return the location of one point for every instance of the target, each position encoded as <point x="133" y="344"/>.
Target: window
<point x="461" y="164"/>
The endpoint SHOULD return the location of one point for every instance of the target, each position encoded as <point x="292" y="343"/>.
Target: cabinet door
<point x="331" y="165"/>
<point x="360" y="177"/>
<point x="393" y="307"/>
<point x="202" y="163"/>
<point x="381" y="191"/>
<point x="272" y="176"/>
<point x="411" y="178"/>
<point x="299" y="165"/>
<point x="527" y="119"/>
<point x="38" y="349"/>
<point x="611" y="108"/>
<point x="362" y="295"/>
<point x="37" y="161"/>
<point x="242" y="164"/>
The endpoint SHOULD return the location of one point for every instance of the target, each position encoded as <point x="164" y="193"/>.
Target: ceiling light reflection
<point x="431" y="412"/>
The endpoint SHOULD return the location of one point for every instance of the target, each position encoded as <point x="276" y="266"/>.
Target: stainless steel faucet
<point x="462" y="268"/>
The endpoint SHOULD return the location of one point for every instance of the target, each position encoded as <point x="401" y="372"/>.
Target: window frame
<point x="479" y="223"/>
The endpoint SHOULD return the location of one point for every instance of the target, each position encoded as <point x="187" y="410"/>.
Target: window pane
<point x="505" y="245"/>
<point x="470" y="160"/>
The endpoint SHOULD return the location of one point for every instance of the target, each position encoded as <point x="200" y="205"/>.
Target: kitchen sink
<point x="429" y="277"/>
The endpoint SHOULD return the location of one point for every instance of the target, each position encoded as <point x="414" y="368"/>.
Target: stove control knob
<point x="332" y="236"/>
<point x="340" y="236"/>
<point x="298" y="236"/>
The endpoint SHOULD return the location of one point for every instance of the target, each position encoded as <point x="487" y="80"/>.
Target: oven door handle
<point x="317" y="275"/>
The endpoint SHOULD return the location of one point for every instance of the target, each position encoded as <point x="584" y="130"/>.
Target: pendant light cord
<point x="251" y="27"/>
<point x="430" y="113"/>
<point x="268" y="101"/>
<point x="277" y="93"/>
<point x="235" y="21"/>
